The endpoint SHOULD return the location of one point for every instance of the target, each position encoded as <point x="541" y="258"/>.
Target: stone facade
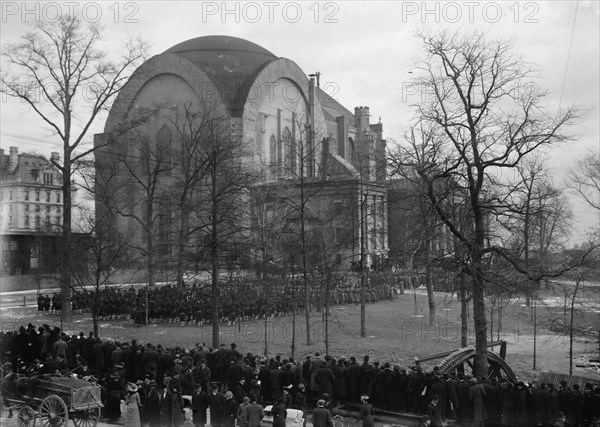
<point x="31" y="206"/>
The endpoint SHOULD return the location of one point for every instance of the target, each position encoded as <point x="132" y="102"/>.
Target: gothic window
<point x="164" y="146"/>
<point x="272" y="156"/>
<point x="352" y="154"/>
<point x="290" y="153"/>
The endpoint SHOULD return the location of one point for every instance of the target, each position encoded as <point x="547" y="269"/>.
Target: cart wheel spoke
<point x="86" y="417"/>
<point x="53" y="412"/>
<point x="26" y="416"/>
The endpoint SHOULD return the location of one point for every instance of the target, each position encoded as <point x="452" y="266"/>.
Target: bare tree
<point x="470" y="133"/>
<point x="585" y="179"/>
<point x="60" y="72"/>
<point x="223" y="214"/>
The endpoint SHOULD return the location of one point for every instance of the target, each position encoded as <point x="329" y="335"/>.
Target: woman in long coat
<point x="112" y="409"/>
<point x="177" y="416"/>
<point x="152" y="409"/>
<point x="366" y="412"/>
<point x="132" y="404"/>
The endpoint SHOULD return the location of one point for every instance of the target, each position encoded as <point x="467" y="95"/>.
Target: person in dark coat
<point x="166" y="405"/>
<point x="464" y="405"/>
<point x="451" y="396"/>
<point x="201" y="374"/>
<point x="507" y="397"/>
<point x="521" y="404"/>
<point x="216" y="401"/>
<point x="341" y="382"/>
<point x="276" y="384"/>
<point x="365" y="414"/>
<point x="199" y="405"/>
<point x="112" y="410"/>
<point x="177" y="414"/>
<point x="152" y="407"/>
<point x="230" y="410"/>
<point x="477" y="398"/>
<point x="492" y="402"/>
<point x="353" y="380"/>
<point x="321" y="416"/>
<point x="264" y="376"/>
<point x="279" y="414"/>
<point x="325" y="379"/>
<point x="434" y="412"/>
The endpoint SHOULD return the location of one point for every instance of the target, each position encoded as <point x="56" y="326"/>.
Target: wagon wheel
<point x="86" y="417"/>
<point x="26" y="416"/>
<point x="53" y="412"/>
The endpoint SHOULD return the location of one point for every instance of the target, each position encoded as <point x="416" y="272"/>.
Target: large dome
<point x="230" y="62"/>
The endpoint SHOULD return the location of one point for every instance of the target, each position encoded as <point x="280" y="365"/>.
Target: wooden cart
<point x="55" y="400"/>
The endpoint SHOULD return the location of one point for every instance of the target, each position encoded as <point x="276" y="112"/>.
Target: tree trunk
<point x="429" y="283"/>
<point x="95" y="322"/>
<point x="180" y="247"/>
<point x="464" y="327"/>
<point x="66" y="280"/>
<point x="479" y="319"/>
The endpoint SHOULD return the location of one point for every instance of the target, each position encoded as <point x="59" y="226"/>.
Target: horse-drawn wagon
<point x="53" y="399"/>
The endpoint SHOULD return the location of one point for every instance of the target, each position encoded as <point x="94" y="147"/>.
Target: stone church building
<point x="305" y="143"/>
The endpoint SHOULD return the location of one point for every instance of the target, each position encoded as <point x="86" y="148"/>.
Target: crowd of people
<point x="192" y="305"/>
<point x="153" y="379"/>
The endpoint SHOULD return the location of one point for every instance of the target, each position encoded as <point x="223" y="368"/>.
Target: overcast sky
<point x="363" y="50"/>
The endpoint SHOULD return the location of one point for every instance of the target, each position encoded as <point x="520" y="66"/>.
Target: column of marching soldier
<point x="192" y="305"/>
<point x="234" y="386"/>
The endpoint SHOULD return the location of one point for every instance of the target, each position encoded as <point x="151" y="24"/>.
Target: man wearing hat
<point x="199" y="405"/>
<point x="434" y="412"/>
<point x="242" y="413"/>
<point x="230" y="409"/>
<point x="216" y="401"/>
<point x="255" y="413"/>
<point x="321" y="416"/>
<point x="366" y="412"/>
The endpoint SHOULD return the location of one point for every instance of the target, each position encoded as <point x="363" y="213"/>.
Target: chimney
<point x="13" y="158"/>
<point x="55" y="157"/>
<point x="361" y="119"/>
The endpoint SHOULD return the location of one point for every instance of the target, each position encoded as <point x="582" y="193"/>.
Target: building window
<point x="37" y="222"/>
<point x="47" y="209"/>
<point x="37" y="196"/>
<point x="37" y="208"/>
<point x="26" y="221"/>
<point x="273" y="156"/>
<point x="10" y="195"/>
<point x="48" y="196"/>
<point x="26" y="195"/>
<point x="58" y="197"/>
<point x="48" y="178"/>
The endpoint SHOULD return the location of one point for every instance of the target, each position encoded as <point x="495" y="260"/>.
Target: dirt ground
<point x="397" y="331"/>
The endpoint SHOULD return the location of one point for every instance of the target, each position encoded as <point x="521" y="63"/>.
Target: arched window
<point x="290" y="153"/>
<point x="273" y="157"/>
<point x="352" y="152"/>
<point x="163" y="146"/>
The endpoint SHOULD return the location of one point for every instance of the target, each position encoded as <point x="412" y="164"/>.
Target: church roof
<point x="231" y="63"/>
